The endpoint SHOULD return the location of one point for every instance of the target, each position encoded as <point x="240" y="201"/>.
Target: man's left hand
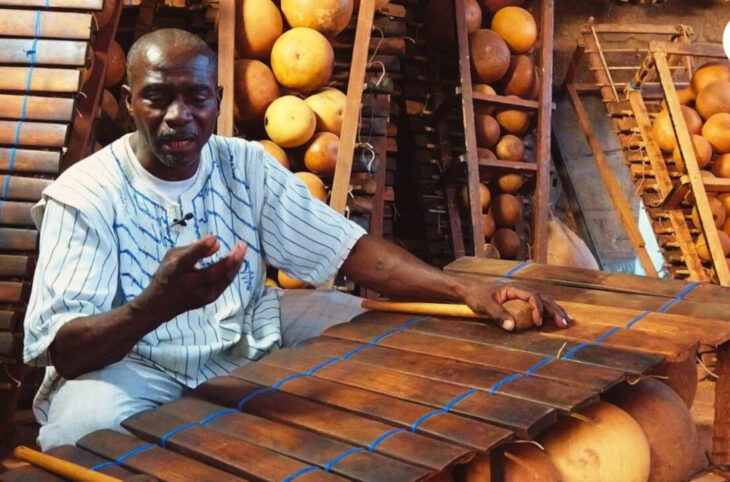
<point x="487" y="298"/>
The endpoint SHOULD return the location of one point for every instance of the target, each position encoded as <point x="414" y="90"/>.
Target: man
<point x="151" y="269"/>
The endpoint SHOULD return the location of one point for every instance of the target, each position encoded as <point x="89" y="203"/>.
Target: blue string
<point x="512" y="272"/>
<point x="539" y="365"/>
<point x="164" y="438"/>
<point x="418" y="422"/>
<point x="461" y="397"/>
<point x="102" y="465"/>
<point x="603" y="337"/>
<point x="251" y="396"/>
<point x="332" y="462"/>
<point x="687" y="289"/>
<point x="321" y="365"/>
<point x="300" y="472"/>
<point x="636" y="320"/>
<point x="6" y="182"/>
<point x="504" y="381"/>
<point x="215" y="415"/>
<point x="278" y="384"/>
<point x="377" y="441"/>
<point x="133" y="452"/>
<point x="574" y="350"/>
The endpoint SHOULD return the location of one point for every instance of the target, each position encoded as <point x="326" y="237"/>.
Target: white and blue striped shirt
<point x="104" y="233"/>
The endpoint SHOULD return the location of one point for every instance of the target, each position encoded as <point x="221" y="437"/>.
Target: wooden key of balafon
<point x="60" y="467"/>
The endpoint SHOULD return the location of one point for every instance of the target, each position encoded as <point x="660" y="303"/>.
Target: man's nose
<point x="177" y="113"/>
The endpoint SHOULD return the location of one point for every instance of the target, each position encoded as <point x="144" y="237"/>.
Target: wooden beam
<point x="688" y="154"/>
<point x="542" y="178"/>
<point x="721" y="427"/>
<point x="623" y="208"/>
<point x="226" y="46"/>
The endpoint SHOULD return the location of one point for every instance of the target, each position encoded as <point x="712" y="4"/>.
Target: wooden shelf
<point x="717" y="185"/>
<point x="506" y="101"/>
<point x="508" y="165"/>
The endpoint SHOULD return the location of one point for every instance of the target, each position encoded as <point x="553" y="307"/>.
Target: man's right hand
<point x="179" y="285"/>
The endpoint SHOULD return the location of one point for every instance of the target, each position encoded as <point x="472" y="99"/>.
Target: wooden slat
<point x="505" y="101"/>
<point x="634" y="28"/>
<point x="27" y="160"/>
<point x="22" y="188"/>
<point x="62" y="25"/>
<point x="343" y="171"/>
<point x="721" y="428"/>
<point x="504" y="358"/>
<point x="695" y="49"/>
<point x="41" y="79"/>
<point x="9" y="320"/>
<point x="11" y="291"/>
<point x="300" y="444"/>
<point x="18" y="239"/>
<point x="338" y="424"/>
<point x="33" y="134"/>
<point x="507" y="165"/>
<point x="220" y="450"/>
<point x="687" y="246"/>
<point x="80" y="4"/>
<point x="446" y="426"/>
<point x="69" y="53"/>
<point x="11" y="265"/>
<point x="618" y="198"/>
<point x="523" y="417"/>
<point x="155" y="461"/>
<point x="36" y="108"/>
<point x="226" y="32"/>
<point x="557" y="395"/>
<point x="15" y="213"/>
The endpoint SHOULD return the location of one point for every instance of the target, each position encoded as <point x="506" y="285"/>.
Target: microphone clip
<point x="182" y="221"/>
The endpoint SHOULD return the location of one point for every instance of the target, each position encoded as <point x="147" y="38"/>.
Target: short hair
<point x="169" y="37"/>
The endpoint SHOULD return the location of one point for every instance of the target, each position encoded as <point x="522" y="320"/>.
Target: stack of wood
<point x="50" y="53"/>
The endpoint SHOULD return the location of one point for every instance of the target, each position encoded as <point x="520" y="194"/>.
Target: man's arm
<point x="89" y="343"/>
<point x="395" y="272"/>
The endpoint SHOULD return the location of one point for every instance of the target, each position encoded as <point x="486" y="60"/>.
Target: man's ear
<point x="127" y="94"/>
<point x="219" y="95"/>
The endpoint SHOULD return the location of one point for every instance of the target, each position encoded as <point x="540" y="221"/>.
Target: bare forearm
<point x="393" y="271"/>
<point x="92" y="342"/>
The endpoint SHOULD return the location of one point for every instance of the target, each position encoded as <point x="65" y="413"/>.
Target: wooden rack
<point x="476" y="167"/>
<point x="51" y="75"/>
<point x="614" y="53"/>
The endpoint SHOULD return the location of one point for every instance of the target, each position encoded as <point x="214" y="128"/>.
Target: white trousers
<point x="104" y="398"/>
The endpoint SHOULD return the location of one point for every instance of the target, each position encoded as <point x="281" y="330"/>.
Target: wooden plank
<point x="18" y="239"/>
<point x="721" y="427"/>
<point x="542" y="178"/>
<point x="686" y="244"/>
<point x="445" y="426"/>
<point x="11" y="265"/>
<point x="634" y="28"/>
<point x="300" y="444"/>
<point x="9" y="320"/>
<point x="694" y="49"/>
<point x="470" y="139"/>
<point x="15" y="213"/>
<point x="716" y="185"/>
<point x="218" y="449"/>
<point x="61" y="25"/>
<point x="22" y="188"/>
<point x="501" y="100"/>
<point x="588" y="377"/>
<point x="69" y="53"/>
<point x="520" y="166"/>
<point x="688" y="154"/>
<point x="343" y="170"/>
<point x="56" y="109"/>
<point x="524" y="418"/>
<point x="12" y="291"/>
<point x="226" y="32"/>
<point x="27" y="160"/>
<point x="156" y="461"/>
<point x="623" y="208"/>
<point x="32" y="134"/>
<point x="407" y="447"/>
<point x="75" y="4"/>
<point x="557" y="395"/>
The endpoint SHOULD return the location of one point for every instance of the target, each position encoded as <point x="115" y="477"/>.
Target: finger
<point x="223" y="270"/>
<point x="533" y="299"/>
<point x="557" y="313"/>
<point x="189" y="255"/>
<point x="497" y="313"/>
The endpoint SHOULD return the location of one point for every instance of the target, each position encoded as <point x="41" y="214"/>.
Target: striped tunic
<point x="104" y="233"/>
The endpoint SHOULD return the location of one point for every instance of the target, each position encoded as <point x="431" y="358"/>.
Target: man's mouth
<point x="177" y="145"/>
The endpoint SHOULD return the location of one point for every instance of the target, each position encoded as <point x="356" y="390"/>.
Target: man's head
<point x="174" y="98"/>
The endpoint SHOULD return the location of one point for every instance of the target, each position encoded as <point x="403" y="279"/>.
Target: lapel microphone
<point x="182" y="220"/>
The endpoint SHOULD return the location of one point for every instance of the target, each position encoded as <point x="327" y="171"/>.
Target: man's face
<point x="174" y="100"/>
